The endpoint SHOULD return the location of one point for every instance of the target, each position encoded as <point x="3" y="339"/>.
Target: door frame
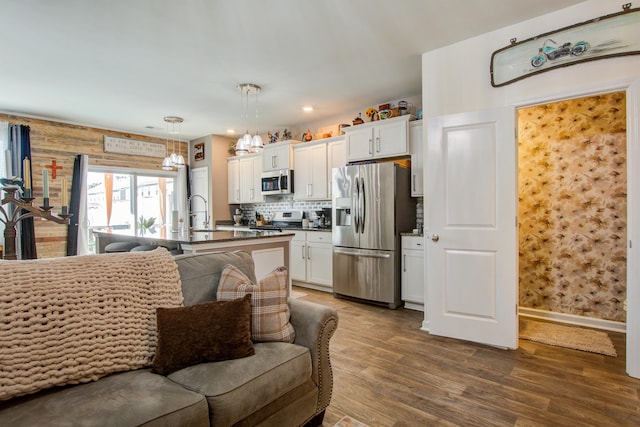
<point x="632" y="89"/>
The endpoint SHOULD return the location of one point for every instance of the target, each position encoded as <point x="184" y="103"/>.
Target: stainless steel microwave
<point x="277" y="182"/>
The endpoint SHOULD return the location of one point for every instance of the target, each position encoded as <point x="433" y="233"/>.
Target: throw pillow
<point x="269" y="308"/>
<point x="209" y="332"/>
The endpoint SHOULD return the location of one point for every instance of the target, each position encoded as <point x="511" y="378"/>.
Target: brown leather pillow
<point x="209" y="332"/>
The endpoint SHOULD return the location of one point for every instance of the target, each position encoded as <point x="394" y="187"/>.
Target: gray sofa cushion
<point x="126" y="399"/>
<point x="236" y="388"/>
<point x="200" y="273"/>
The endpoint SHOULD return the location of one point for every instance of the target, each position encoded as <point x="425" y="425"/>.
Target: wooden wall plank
<point x="62" y="142"/>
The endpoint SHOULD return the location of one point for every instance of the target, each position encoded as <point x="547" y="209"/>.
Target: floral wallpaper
<point x="573" y="204"/>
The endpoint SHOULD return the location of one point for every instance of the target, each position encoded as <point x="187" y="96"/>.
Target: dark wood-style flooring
<point x="387" y="372"/>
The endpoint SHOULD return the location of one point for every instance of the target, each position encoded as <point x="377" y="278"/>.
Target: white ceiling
<point x="125" y="64"/>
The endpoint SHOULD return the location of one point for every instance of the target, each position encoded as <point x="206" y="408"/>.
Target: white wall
<point x="215" y="159"/>
<point x="456" y="79"/>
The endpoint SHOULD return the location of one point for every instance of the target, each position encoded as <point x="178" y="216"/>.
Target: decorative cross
<point x="53" y="166"/>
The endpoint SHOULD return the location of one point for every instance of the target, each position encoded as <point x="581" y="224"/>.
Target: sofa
<point x="280" y="384"/>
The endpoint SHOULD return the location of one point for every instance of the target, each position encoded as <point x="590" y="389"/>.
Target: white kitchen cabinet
<point x="417" y="161"/>
<point x="412" y="275"/>
<point x="299" y="256"/>
<point x="379" y="139"/>
<point x="278" y="156"/>
<point x="233" y="173"/>
<point x="336" y="158"/>
<point x="312" y="260"/>
<point x="310" y="179"/>
<point x="250" y="179"/>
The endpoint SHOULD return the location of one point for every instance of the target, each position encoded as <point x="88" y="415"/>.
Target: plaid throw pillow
<point x="269" y="309"/>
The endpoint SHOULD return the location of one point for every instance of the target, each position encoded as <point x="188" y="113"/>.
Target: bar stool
<point x="120" y="247"/>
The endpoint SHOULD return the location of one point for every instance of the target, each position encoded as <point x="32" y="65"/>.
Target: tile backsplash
<point x="309" y="207"/>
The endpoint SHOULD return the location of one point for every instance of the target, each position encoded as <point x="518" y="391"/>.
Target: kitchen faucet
<point x="205" y="223"/>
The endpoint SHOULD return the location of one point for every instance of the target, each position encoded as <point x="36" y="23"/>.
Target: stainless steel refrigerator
<point x="371" y="206"/>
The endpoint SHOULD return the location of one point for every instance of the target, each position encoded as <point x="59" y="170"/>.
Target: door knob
<point x="435" y="237"/>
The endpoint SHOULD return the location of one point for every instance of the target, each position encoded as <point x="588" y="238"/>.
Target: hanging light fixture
<point x="256" y="143"/>
<point x="247" y="143"/>
<point x="167" y="163"/>
<point x="241" y="149"/>
<point x="177" y="160"/>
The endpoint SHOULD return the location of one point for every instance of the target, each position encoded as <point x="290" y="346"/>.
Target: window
<point x="110" y="205"/>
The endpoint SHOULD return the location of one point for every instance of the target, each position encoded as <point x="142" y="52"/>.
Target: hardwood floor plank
<point x="388" y="372"/>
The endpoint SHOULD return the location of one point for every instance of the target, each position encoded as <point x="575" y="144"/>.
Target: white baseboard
<point x="572" y="319"/>
<point x="413" y="306"/>
<point x="322" y="288"/>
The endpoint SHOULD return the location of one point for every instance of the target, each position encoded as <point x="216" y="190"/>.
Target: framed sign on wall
<point x="608" y="36"/>
<point x="198" y="151"/>
<point x="134" y="147"/>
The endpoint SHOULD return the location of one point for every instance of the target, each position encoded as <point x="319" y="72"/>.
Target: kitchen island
<point x="269" y="249"/>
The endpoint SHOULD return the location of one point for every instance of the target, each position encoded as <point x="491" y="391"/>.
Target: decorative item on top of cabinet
<point x="417" y="161"/>
<point x="278" y="156"/>
<point x="412" y="275"/>
<point x="379" y="139"/>
<point x="372" y="113"/>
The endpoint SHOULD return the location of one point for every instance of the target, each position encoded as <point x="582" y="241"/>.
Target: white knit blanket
<point x="75" y="319"/>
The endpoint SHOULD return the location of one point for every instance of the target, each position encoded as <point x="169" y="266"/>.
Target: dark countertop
<point x="284" y="229"/>
<point x="208" y="236"/>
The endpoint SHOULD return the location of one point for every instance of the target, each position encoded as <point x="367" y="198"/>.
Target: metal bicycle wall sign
<point x="608" y="36"/>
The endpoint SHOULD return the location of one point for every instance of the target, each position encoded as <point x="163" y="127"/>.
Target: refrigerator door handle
<point x="356" y="205"/>
<point x="362" y="209"/>
<point x="343" y="252"/>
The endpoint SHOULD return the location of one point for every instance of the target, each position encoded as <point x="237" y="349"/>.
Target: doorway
<point x="572" y="191"/>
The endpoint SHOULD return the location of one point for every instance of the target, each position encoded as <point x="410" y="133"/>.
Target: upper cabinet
<point x="250" y="179"/>
<point x="336" y="158"/>
<point x="311" y="171"/>
<point x="278" y="155"/>
<point x="244" y="178"/>
<point x="379" y="139"/>
<point x="417" y="161"/>
<point x="233" y="171"/>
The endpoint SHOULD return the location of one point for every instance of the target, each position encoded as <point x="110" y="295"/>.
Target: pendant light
<point x="247" y="143"/>
<point x="177" y="160"/>
<point x="256" y="143"/>
<point x="241" y="148"/>
<point x="167" y="163"/>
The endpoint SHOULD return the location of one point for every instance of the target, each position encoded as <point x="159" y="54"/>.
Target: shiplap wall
<point x="62" y="142"/>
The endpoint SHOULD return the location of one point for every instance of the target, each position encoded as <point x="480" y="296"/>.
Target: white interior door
<point x="472" y="249"/>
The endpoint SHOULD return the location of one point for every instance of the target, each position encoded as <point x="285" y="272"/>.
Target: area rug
<point x="567" y="336"/>
<point x="349" y="422"/>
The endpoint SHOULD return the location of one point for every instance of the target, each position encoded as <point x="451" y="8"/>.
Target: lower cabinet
<point x="412" y="276"/>
<point x="312" y="260"/>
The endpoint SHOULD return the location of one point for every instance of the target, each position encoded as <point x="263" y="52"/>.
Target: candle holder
<point x="11" y="218"/>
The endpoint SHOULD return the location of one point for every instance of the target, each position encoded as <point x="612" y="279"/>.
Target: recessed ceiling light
<point x="307" y="108"/>
<point x="231" y="131"/>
